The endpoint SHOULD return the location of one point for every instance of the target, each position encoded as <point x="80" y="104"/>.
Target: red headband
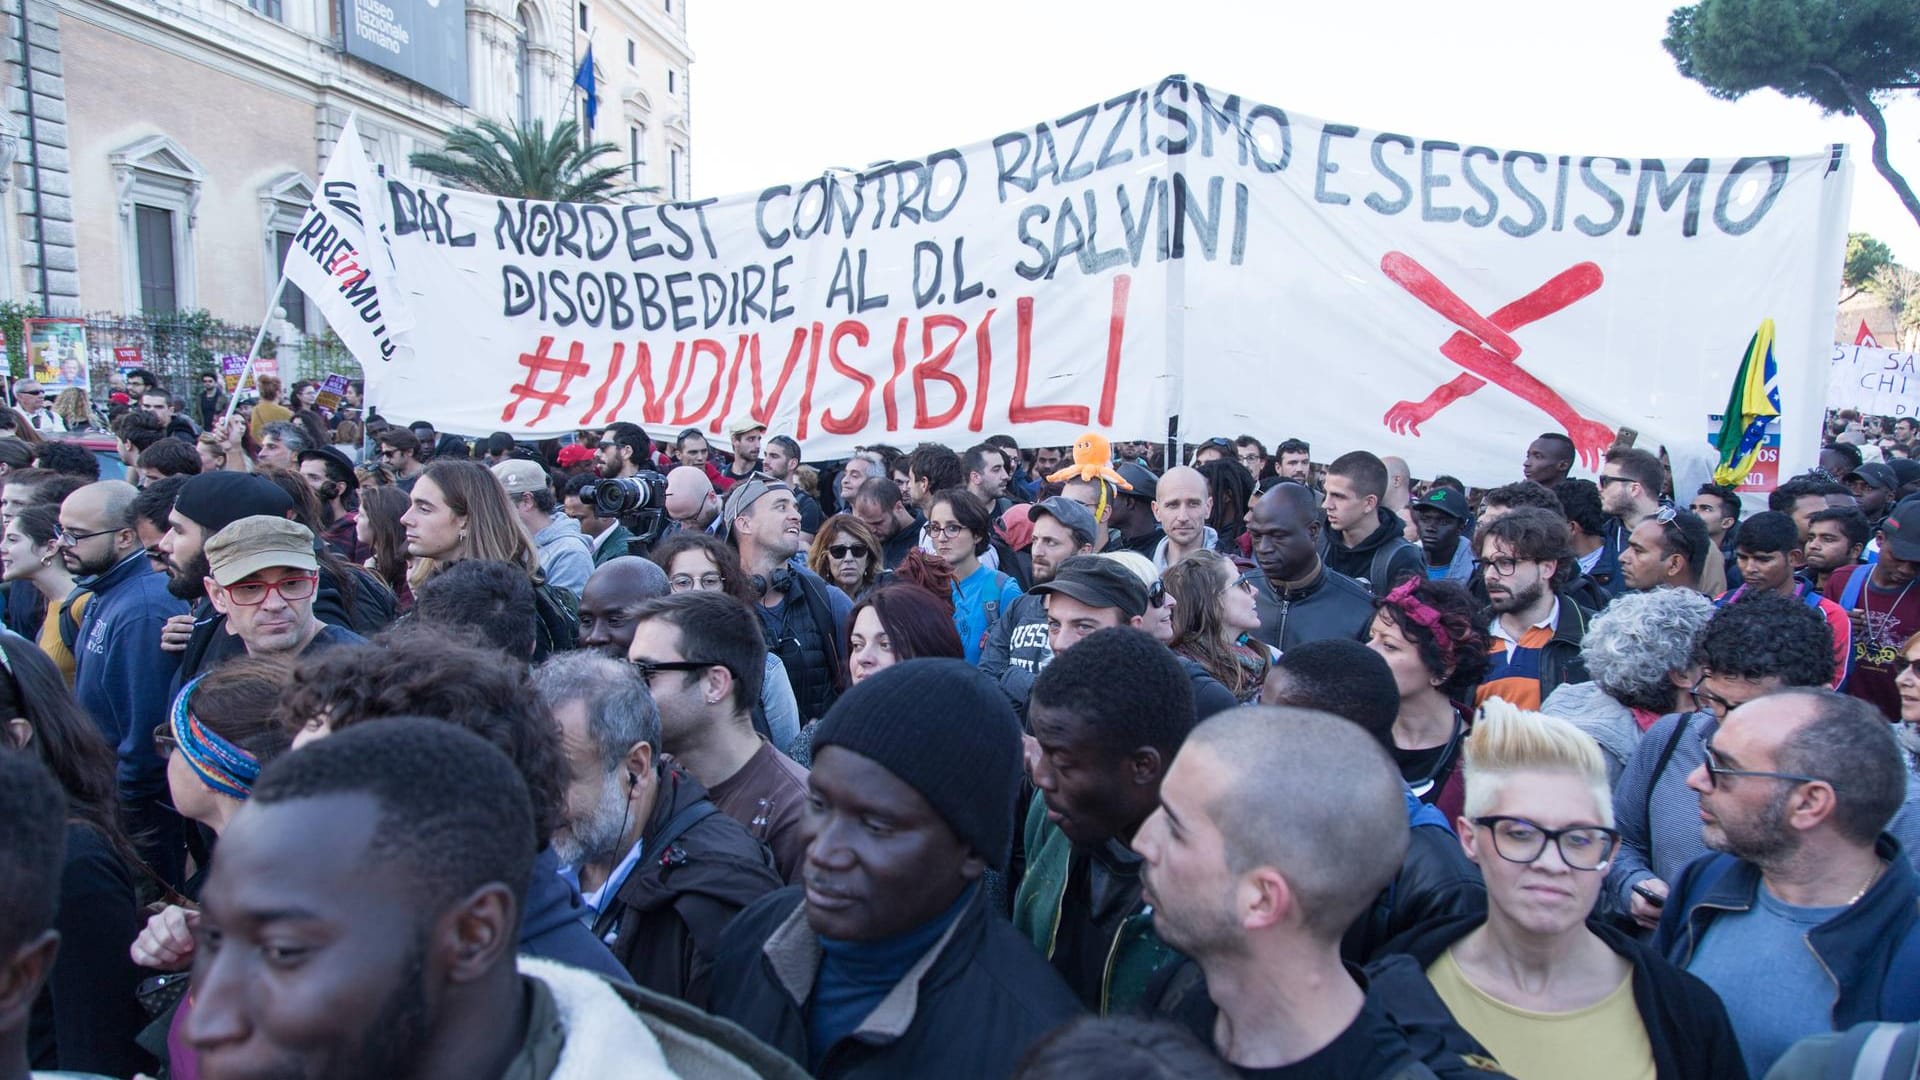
<point x="1424" y="614"/>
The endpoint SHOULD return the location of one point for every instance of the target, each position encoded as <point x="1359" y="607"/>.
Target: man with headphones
<point x="804" y="617"/>
<point x="661" y="867"/>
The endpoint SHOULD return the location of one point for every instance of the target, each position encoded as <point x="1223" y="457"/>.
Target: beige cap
<point x="257" y="543"/>
<point x="745" y="424"/>
<point x="520" y="476"/>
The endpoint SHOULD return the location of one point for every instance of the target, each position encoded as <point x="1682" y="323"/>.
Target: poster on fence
<point x="1175" y="250"/>
<point x="1878" y="382"/>
<point x="57" y="353"/>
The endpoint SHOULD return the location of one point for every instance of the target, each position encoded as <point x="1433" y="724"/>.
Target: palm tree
<point x="527" y="163"/>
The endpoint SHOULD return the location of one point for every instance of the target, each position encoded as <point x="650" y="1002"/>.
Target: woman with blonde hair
<point x="458" y="510"/>
<point x="1547" y="990"/>
<point x="73" y="408"/>
<point x="1214" y="621"/>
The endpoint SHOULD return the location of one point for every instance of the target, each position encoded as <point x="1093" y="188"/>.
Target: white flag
<point x="343" y="260"/>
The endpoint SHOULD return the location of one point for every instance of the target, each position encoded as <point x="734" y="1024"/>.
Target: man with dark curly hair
<point x="1759" y="645"/>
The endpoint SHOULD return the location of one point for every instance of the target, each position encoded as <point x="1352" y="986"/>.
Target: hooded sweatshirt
<point x="1357" y="561"/>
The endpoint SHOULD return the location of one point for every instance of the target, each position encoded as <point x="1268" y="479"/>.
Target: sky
<point x="781" y="91"/>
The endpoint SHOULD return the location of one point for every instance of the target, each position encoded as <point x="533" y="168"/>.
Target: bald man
<point x="612" y="598"/>
<point x="123" y="673"/>
<point x="691" y="502"/>
<point x="1181" y="505"/>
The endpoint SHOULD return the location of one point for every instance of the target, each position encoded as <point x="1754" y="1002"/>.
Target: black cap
<point x="1900" y="533"/>
<point x="1876" y="474"/>
<point x="1142" y="478"/>
<point x="215" y="500"/>
<point x="338" y="457"/>
<point x="1906" y="470"/>
<point x="1445" y="500"/>
<point x="1100" y="583"/>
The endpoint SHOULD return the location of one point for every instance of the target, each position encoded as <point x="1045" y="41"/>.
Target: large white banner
<point x="1878" y="382"/>
<point x="1174" y="250"/>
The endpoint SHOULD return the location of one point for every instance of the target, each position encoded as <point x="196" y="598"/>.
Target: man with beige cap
<point x="566" y="555"/>
<point x="746" y="433"/>
<point x="262" y="575"/>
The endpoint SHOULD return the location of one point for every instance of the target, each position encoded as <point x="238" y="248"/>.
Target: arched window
<point x="523" y="66"/>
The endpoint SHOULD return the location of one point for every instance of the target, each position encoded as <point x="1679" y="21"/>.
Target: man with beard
<point x="367" y="903"/>
<point x="1300" y="598"/>
<point x="880" y="507"/>
<point x="662" y="869"/>
<point x="803" y="616"/>
<point x="1835" y="538"/>
<point x="1364" y="539"/>
<point x="1276" y="829"/>
<point x="1533" y="642"/>
<point x="1101" y="757"/>
<point x="1017" y="647"/>
<point x="1804" y="923"/>
<point x="122" y="673"/>
<point x="890" y="960"/>
<point x="1441" y="517"/>
<point x="624" y="450"/>
<point x="1293" y="461"/>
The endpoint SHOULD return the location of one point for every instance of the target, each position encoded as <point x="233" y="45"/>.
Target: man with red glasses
<point x="262" y="575"/>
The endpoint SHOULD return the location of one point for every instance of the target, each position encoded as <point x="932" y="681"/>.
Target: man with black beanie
<point x="887" y="961"/>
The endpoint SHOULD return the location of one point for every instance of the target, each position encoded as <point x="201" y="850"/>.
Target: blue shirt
<point x="855" y="975"/>
<point x="1775" y="990"/>
<point x="977" y="604"/>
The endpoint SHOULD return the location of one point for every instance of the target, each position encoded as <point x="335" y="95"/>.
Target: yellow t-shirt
<point x="51" y="642"/>
<point x="1604" y="1041"/>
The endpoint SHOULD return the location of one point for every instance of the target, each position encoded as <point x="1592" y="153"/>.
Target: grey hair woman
<point x="1640" y="654"/>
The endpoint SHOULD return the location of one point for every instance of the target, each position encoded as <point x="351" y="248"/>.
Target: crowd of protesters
<point x="331" y="747"/>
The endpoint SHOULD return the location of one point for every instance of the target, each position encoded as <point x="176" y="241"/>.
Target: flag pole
<point x="273" y="305"/>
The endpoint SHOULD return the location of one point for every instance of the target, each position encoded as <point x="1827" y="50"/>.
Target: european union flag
<point x="584" y="80"/>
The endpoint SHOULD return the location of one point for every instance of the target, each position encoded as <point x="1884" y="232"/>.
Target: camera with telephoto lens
<point x="627" y="494"/>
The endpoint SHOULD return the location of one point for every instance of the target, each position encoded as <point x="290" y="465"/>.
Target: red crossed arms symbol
<point x="1484" y="346"/>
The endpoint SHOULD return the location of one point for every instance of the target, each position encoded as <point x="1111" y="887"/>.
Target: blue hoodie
<point x="122" y="674"/>
<point x="553" y="927"/>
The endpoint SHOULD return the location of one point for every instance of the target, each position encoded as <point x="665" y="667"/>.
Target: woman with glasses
<point x="221" y="731"/>
<point x="1214" y="617"/>
<point x="1547" y="990"/>
<point x="1426" y="631"/>
<point x="959" y="526"/>
<point x="1640" y="654"/>
<point x="30" y="552"/>
<point x="458" y="510"/>
<point x="846" y="553"/>
<point x="697" y="562"/>
<point x="86" y="1016"/>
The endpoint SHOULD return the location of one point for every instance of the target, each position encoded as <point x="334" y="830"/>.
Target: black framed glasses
<point x="1582" y="847"/>
<point x="65" y="537"/>
<point x="650" y="668"/>
<point x="949" y="530"/>
<point x="1715" y="770"/>
<point x="1504" y="565"/>
<point x="848" y="551"/>
<point x="1900" y="666"/>
<point x="1715" y="704"/>
<point x="1605" y="480"/>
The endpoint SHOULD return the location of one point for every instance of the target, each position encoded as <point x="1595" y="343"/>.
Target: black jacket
<point x="1399" y="559"/>
<point x="1210" y="695"/>
<point x="1436" y="882"/>
<point x="668" y="916"/>
<point x="1686" y="1024"/>
<point x="1332" y="606"/>
<point x="894" y="549"/>
<point x="984" y="996"/>
<point x="86" y="1016"/>
<point x="1560" y="661"/>
<point x="1405" y="1016"/>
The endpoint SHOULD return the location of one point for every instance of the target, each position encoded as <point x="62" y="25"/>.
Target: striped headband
<point x="222" y="766"/>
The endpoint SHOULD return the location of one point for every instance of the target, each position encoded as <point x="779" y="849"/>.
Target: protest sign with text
<point x="1878" y="382"/>
<point x="1172" y="250"/>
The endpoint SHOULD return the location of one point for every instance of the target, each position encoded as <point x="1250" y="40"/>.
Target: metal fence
<point x="183" y="347"/>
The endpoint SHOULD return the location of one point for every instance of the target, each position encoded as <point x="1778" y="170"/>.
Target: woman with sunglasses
<point x="1906" y="679"/>
<point x="846" y="553"/>
<point x="959" y="525"/>
<point x="1427" y="633"/>
<point x="87" y="1016"/>
<point x="30" y="552"/>
<point x="221" y="731"/>
<point x="1547" y="990"/>
<point x="1214" y="618"/>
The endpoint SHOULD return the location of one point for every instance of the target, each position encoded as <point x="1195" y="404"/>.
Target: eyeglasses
<point x="254" y="593"/>
<point x="1502" y="565"/>
<point x="950" y="530"/>
<point x="1245" y="581"/>
<point x="848" y="551"/>
<point x="1606" y="480"/>
<point x="1716" y="704"/>
<point x="65" y="537"/>
<point x="650" y="668"/>
<point x="1666" y="514"/>
<point x="1715" y="770"/>
<point x="686" y="582"/>
<point x="164" y="743"/>
<point x="1582" y="847"/>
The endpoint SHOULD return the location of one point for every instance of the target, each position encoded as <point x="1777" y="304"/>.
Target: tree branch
<point x="1862" y="103"/>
